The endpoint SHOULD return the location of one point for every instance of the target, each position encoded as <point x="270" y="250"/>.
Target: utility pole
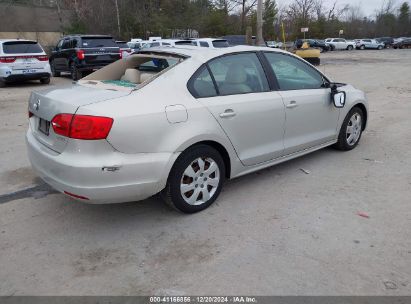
<point x="260" y="39"/>
<point x="118" y="19"/>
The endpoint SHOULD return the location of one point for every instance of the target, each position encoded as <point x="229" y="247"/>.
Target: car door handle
<point x="228" y="113"/>
<point x="292" y="104"/>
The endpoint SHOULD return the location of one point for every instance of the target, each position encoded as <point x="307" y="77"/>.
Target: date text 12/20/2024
<point x="203" y="299"/>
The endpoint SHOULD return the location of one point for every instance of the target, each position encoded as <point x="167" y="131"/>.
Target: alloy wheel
<point x="200" y="181"/>
<point x="354" y="129"/>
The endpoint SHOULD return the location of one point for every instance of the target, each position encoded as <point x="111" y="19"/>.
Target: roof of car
<point x="11" y="40"/>
<point x="210" y="39"/>
<point x="205" y="54"/>
<point x="85" y="36"/>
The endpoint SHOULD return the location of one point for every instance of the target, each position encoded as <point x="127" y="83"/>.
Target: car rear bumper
<point x="22" y="77"/>
<point x="138" y="176"/>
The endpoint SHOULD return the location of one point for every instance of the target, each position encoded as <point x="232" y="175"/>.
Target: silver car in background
<point x="363" y="44"/>
<point x="181" y="120"/>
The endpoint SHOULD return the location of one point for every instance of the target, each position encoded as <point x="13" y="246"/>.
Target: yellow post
<point x="282" y="27"/>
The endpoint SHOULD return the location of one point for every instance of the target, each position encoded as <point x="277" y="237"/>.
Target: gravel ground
<point x="276" y="232"/>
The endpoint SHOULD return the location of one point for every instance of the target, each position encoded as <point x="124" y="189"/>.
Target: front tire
<point x="350" y="47"/>
<point x="380" y="47"/>
<point x="75" y="73"/>
<point x="351" y="130"/>
<point x="2" y="83"/>
<point x="196" y="179"/>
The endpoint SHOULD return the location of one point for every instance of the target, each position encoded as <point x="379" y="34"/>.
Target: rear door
<point x="250" y="113"/>
<point x="311" y="118"/>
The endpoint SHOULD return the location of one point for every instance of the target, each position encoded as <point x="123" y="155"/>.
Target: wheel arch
<point x="220" y="149"/>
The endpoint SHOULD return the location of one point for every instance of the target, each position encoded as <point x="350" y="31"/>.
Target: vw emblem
<point x="37" y="105"/>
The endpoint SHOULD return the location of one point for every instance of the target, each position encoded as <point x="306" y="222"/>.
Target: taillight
<point x="80" y="54"/>
<point x="82" y="126"/>
<point x="30" y="114"/>
<point x="42" y="58"/>
<point x="61" y="124"/>
<point x="7" y="59"/>
<point x="121" y="54"/>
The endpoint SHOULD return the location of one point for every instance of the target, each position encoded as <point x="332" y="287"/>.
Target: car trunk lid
<point x="101" y="55"/>
<point x="44" y="105"/>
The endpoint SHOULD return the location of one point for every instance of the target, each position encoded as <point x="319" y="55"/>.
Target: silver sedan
<point x="179" y="121"/>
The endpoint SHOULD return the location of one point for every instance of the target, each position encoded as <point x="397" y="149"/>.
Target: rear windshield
<point x="220" y="43"/>
<point x="98" y="42"/>
<point x="187" y="42"/>
<point x="18" y="47"/>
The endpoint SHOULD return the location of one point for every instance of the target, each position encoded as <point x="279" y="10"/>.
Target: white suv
<point x="340" y="44"/>
<point x="23" y="60"/>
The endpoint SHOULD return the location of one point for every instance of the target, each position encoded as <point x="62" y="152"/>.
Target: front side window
<point x="239" y="74"/>
<point x="203" y="44"/>
<point x="202" y="85"/>
<point x="60" y="44"/>
<point x="293" y="73"/>
<point x="220" y="43"/>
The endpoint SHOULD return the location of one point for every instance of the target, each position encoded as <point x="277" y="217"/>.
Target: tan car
<point x="179" y="121"/>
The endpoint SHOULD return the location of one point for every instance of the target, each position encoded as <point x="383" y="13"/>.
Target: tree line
<point x="127" y="19"/>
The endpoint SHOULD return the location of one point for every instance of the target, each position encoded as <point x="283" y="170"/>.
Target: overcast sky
<point x="368" y="7"/>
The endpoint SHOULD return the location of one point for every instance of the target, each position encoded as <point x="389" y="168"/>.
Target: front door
<point x="311" y="118"/>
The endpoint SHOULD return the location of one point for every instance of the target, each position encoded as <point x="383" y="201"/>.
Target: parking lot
<point x="329" y="223"/>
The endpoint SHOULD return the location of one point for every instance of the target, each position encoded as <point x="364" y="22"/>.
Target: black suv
<point x="80" y="54"/>
<point x="313" y="43"/>
<point x="404" y="43"/>
<point x="388" y="41"/>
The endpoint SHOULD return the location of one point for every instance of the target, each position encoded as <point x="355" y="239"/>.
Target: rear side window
<point x="202" y="85"/>
<point x="157" y="65"/>
<point x="293" y="73"/>
<point x="97" y="42"/>
<point x="220" y="43"/>
<point x="239" y="74"/>
<point x="184" y="42"/>
<point x="18" y="47"/>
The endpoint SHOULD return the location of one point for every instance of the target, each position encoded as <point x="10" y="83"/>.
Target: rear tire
<point x="362" y="47"/>
<point x="351" y="130"/>
<point x="196" y="179"/>
<point x="75" y="73"/>
<point x="45" y="80"/>
<point x="2" y="83"/>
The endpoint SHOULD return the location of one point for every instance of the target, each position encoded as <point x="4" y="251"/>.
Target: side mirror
<point x="338" y="99"/>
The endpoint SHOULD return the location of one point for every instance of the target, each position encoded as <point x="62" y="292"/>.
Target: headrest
<point x="144" y="76"/>
<point x="132" y="75"/>
<point x="236" y="74"/>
